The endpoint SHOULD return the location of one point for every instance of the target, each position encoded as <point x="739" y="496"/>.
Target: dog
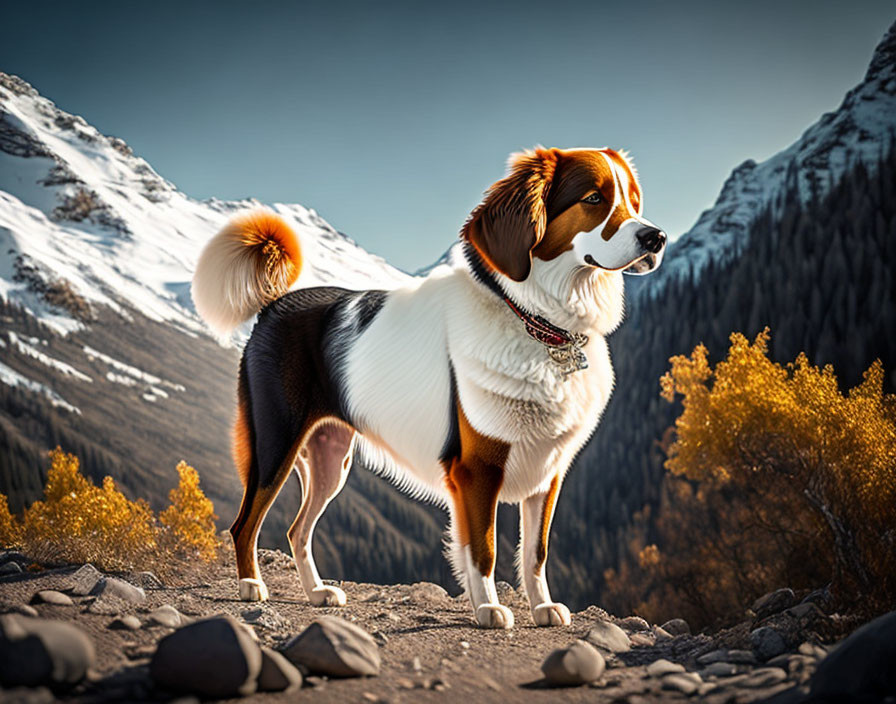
<point x="475" y="384"/>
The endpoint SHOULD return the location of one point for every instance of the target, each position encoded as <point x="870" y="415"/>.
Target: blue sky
<point x="391" y="118"/>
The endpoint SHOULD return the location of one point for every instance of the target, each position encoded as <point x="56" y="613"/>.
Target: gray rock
<point x="214" y="657"/>
<point x="719" y="669"/>
<point x="861" y="668"/>
<point x="684" y="682"/>
<point x="580" y="663"/>
<point x="166" y="616"/>
<point x="8" y="568"/>
<point x="742" y="657"/>
<point x="610" y="637"/>
<point x="763" y="677"/>
<point x="335" y="647"/>
<point x="677" y="627"/>
<point x="427" y="592"/>
<point x="23" y="609"/>
<point x="147" y="580"/>
<point x="85" y="579"/>
<point x="50" y="596"/>
<point x="125" y="623"/>
<point x="767" y="643"/>
<point x="633" y="623"/>
<point x="661" y="635"/>
<point x="661" y="667"/>
<point x="277" y="673"/>
<point x="642" y="639"/>
<point x="36" y="651"/>
<point x="506" y="592"/>
<point x="118" y="589"/>
<point x="773" y="603"/>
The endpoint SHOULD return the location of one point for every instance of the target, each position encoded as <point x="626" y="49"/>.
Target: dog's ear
<point x="511" y="219"/>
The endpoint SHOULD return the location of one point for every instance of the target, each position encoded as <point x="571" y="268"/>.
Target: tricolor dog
<point x="476" y="384"/>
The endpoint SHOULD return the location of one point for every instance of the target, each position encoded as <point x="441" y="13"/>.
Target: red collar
<point x="542" y="330"/>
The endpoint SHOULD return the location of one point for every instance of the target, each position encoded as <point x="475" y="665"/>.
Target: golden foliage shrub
<point x="188" y="524"/>
<point x="775" y="478"/>
<point x="78" y="521"/>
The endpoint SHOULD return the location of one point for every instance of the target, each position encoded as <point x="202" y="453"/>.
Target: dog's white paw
<point x="253" y="590"/>
<point x="551" y="614"/>
<point x="494" y="616"/>
<point x="327" y="596"/>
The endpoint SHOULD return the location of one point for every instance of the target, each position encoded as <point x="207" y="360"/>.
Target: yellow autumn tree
<point x="189" y="522"/>
<point x="78" y="521"/>
<point x="776" y="478"/>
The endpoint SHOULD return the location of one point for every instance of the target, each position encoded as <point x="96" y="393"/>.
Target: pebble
<point x="773" y="603"/>
<point x="579" y="663"/>
<point x="148" y="580"/>
<point x="610" y="637"/>
<point x="812" y="650"/>
<point x="50" y="596"/>
<point x="125" y="623"/>
<point x="119" y="589"/>
<point x="642" y="639"/>
<point x="37" y="651"/>
<point x="9" y="568"/>
<point x="633" y="623"/>
<point x="416" y="665"/>
<point x="427" y="592"/>
<point x="743" y="657"/>
<point x="84" y="579"/>
<point x="661" y="667"/>
<point x="763" y="677"/>
<point x="719" y="669"/>
<point x="684" y="682"/>
<point x="166" y="616"/>
<point x="335" y="647"/>
<point x="506" y="592"/>
<point x="767" y="643"/>
<point x="214" y="657"/>
<point x="661" y="635"/>
<point x="677" y="627"/>
<point x="23" y="609"/>
<point x="380" y="637"/>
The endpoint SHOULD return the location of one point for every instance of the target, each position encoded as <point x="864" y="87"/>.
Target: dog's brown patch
<point x="474" y="480"/>
<point x="547" y="514"/>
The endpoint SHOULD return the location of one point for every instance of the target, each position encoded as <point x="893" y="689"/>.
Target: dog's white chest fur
<point x="452" y="330"/>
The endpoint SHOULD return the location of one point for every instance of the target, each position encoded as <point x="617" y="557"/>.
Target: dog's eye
<point x="594" y="198"/>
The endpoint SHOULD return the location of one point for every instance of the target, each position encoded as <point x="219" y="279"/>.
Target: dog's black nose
<point x="652" y="239"/>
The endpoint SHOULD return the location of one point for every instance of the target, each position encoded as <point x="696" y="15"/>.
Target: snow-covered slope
<point x="859" y="130"/>
<point x="80" y="214"/>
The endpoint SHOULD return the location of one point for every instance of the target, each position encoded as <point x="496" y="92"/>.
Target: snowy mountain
<point x="860" y="130"/>
<point x="79" y="210"/>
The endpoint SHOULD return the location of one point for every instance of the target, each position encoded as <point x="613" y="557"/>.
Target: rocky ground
<point x="421" y="642"/>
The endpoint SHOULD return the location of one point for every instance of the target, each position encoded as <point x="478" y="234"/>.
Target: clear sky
<point x="390" y="118"/>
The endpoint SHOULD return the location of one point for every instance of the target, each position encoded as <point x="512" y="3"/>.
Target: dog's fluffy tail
<point x="252" y="261"/>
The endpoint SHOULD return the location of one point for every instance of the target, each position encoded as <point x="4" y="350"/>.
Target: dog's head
<point x="584" y="201"/>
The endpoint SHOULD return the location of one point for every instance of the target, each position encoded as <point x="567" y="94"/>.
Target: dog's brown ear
<point x="511" y="219"/>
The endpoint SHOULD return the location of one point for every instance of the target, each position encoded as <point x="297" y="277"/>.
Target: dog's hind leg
<point x="323" y="465"/>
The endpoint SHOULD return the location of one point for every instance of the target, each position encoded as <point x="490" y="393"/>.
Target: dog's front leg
<point x="536" y="513"/>
<point x="474" y="490"/>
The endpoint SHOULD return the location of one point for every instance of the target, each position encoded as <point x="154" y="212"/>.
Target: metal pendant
<point x="570" y="357"/>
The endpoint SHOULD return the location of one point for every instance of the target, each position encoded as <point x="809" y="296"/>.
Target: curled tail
<point x="252" y="261"/>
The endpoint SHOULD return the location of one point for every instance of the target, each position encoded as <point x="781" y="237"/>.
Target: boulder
<point x="579" y="663"/>
<point x="214" y="657"/>
<point x="610" y="637"/>
<point x="862" y="666"/>
<point x="36" y="651"/>
<point x="277" y="673"/>
<point x="335" y="647"/>
<point x="125" y="623"/>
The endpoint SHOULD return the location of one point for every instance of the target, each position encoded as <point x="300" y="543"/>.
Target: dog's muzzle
<point x="652" y="241"/>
